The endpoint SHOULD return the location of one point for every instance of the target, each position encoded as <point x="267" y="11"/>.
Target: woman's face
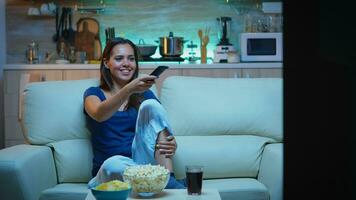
<point x="122" y="63"/>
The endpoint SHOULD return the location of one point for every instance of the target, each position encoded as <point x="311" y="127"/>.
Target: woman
<point x="128" y="125"/>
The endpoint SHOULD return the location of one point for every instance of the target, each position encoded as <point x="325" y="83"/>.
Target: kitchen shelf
<point x="91" y="9"/>
<point x="35" y="17"/>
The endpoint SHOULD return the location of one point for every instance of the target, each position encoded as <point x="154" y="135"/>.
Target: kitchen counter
<point x="150" y="65"/>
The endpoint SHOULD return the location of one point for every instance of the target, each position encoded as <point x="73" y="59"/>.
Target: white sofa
<point x="234" y="127"/>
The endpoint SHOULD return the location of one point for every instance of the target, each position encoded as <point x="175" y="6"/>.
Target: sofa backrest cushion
<point x="223" y="156"/>
<point x="224" y="106"/>
<point x="53" y="110"/>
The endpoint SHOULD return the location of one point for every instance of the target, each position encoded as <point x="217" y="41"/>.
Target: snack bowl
<point x="112" y="190"/>
<point x="146" y="180"/>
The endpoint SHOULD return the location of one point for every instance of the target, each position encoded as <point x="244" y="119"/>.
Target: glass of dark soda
<point x="194" y="177"/>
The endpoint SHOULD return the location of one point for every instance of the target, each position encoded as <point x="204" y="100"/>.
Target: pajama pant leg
<point x="152" y="119"/>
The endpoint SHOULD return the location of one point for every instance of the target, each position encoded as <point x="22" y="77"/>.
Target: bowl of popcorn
<point x="146" y="180"/>
<point x="112" y="190"/>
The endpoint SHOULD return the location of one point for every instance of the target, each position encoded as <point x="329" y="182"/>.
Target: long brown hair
<point x="106" y="80"/>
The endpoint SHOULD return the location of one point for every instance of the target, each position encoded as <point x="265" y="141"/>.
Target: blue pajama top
<point x="115" y="135"/>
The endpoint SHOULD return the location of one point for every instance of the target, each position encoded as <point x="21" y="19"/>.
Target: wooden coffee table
<point x="174" y="194"/>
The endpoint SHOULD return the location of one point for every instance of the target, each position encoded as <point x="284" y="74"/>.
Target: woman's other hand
<point x="167" y="147"/>
<point x="141" y="84"/>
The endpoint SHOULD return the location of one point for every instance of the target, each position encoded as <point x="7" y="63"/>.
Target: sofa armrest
<point x="25" y="171"/>
<point x="271" y="170"/>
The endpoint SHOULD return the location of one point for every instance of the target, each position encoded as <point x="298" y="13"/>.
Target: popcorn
<point x="146" y="178"/>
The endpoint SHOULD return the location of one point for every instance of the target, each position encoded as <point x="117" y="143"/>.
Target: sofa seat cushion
<point x="66" y="191"/>
<point x="223" y="156"/>
<point x="73" y="160"/>
<point x="238" y="188"/>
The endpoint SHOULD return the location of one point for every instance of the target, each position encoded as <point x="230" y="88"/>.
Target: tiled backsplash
<point x="146" y="19"/>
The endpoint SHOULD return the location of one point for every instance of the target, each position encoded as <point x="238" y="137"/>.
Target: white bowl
<point x="112" y="190"/>
<point x="147" y="180"/>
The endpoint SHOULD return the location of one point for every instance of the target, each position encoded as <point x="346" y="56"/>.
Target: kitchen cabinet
<point x="261" y="73"/>
<point x="16" y="76"/>
<point x="219" y="73"/>
<point x="78" y="74"/>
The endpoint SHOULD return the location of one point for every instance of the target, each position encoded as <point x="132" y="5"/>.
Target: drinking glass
<point x="194" y="175"/>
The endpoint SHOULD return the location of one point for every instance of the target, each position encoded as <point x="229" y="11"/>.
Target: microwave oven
<point x="261" y="47"/>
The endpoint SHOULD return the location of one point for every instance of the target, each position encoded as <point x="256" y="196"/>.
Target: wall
<point x="2" y="62"/>
<point x="147" y="19"/>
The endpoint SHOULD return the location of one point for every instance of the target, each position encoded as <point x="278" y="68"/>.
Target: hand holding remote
<point x="159" y="70"/>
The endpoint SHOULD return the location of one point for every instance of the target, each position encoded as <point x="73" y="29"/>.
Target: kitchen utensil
<point x="204" y="40"/>
<point x="87" y="38"/>
<point x="65" y="32"/>
<point x="109" y="33"/>
<point x="62" y="51"/>
<point x="71" y="31"/>
<point x="224" y="46"/>
<point x="224" y="27"/>
<point x="171" y="46"/>
<point x="45" y="9"/>
<point x="81" y="56"/>
<point x="56" y="35"/>
<point x="71" y="56"/>
<point x="192" y="57"/>
<point x="233" y="57"/>
<point x="146" y="50"/>
<point x="203" y="49"/>
<point x="112" y="32"/>
<point x="32" y="53"/>
<point x="34" y="11"/>
<point x="59" y="37"/>
<point x="200" y="34"/>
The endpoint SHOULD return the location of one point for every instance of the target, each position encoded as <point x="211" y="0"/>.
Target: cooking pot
<point x="146" y="50"/>
<point x="171" y="46"/>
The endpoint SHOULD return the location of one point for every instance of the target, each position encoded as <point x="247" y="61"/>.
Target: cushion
<point x="222" y="156"/>
<point x="25" y="170"/>
<point x="224" y="106"/>
<point x="271" y="169"/>
<point x="54" y="110"/>
<point x="73" y="160"/>
<point x="66" y="191"/>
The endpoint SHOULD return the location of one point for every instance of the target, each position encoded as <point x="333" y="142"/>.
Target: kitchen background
<point x="22" y="22"/>
<point x="146" y="19"/>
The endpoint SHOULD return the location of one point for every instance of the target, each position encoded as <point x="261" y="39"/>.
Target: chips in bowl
<point x="112" y="190"/>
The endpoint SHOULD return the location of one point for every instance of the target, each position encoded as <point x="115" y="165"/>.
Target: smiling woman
<point x="125" y="118"/>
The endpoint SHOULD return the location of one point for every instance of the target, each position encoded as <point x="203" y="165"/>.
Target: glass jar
<point x="72" y="57"/>
<point x="32" y="52"/>
<point x="62" y="52"/>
